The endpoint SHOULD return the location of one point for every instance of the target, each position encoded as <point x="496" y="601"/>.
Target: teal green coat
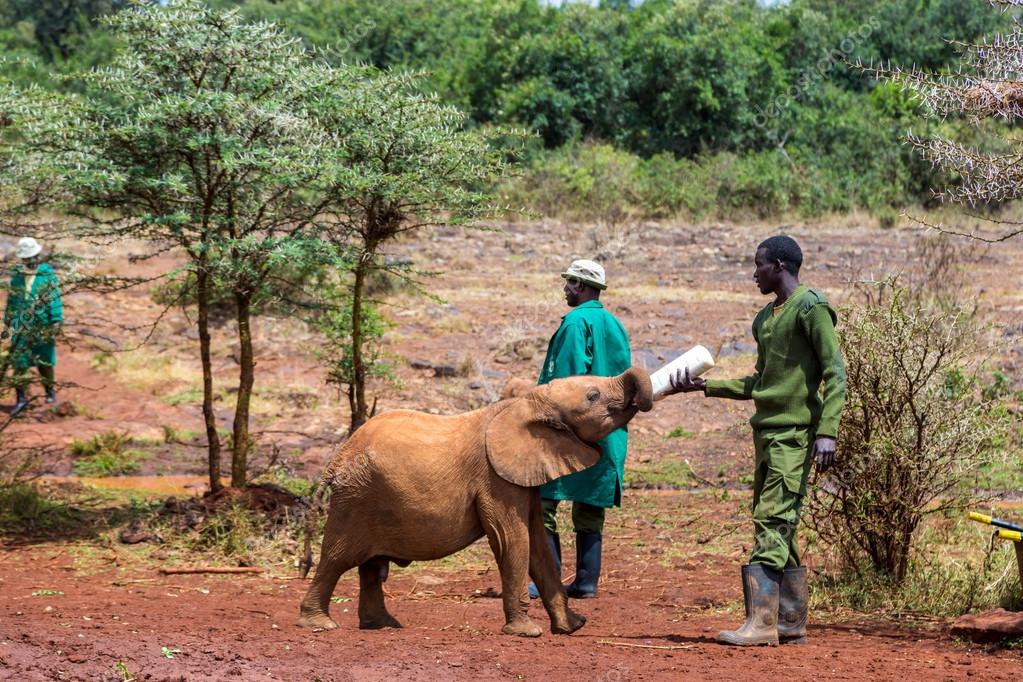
<point x="590" y="341"/>
<point x="33" y="318"/>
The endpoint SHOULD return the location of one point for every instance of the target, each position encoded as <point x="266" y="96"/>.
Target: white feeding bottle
<point x="697" y="359"/>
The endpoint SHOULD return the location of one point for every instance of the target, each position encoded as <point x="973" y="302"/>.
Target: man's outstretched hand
<point x="824" y="453"/>
<point x="681" y="382"/>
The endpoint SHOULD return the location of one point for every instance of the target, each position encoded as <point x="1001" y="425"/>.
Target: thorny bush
<point x="916" y="429"/>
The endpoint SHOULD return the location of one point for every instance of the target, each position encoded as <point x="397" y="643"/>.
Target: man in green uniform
<point x="795" y="424"/>
<point x="589" y="341"/>
<point x="33" y="315"/>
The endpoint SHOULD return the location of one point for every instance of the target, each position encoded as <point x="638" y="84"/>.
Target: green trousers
<point x="586" y="518"/>
<point x="779" y="485"/>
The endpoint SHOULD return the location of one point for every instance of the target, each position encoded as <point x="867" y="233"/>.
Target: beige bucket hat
<point x="28" y="247"/>
<point x="587" y="271"/>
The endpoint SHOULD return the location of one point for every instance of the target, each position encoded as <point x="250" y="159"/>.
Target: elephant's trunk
<point x="636" y="385"/>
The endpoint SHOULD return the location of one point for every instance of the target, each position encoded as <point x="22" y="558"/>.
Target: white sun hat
<point x="587" y="271"/>
<point x="28" y="247"/>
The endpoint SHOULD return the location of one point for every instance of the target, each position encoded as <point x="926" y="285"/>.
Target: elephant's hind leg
<point x="372" y="611"/>
<point x="334" y="562"/>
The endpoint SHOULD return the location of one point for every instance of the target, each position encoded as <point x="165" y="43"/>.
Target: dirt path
<point x="654" y="620"/>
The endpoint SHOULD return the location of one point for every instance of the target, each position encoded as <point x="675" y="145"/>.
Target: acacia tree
<point x="200" y="137"/>
<point x="27" y="179"/>
<point x="988" y="85"/>
<point x="409" y="165"/>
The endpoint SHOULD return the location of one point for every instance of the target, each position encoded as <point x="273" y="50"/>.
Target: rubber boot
<point x="49" y="383"/>
<point x="20" y="402"/>
<point x="555" y="541"/>
<point x="792" y="606"/>
<point x="587" y="566"/>
<point x="761" y="587"/>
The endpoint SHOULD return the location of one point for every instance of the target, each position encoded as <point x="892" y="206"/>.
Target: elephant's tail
<point x="314" y="512"/>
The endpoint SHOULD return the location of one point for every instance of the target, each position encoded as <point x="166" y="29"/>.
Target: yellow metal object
<point x="977" y="516"/>
<point x="1013" y="535"/>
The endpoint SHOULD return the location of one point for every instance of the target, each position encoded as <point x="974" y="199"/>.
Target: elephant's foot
<point x="316" y="620"/>
<point x="574" y="622"/>
<point x="377" y="622"/>
<point x="521" y="627"/>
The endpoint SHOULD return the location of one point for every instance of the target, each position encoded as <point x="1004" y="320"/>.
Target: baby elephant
<point x="410" y="487"/>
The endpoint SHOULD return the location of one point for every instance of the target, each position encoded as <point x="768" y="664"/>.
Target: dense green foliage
<point x="694" y="89"/>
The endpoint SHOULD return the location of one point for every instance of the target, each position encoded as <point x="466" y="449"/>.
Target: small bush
<point x="24" y="507"/>
<point x="915" y="431"/>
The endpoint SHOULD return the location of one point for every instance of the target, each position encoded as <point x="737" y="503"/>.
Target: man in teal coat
<point x="31" y="320"/>
<point x="589" y="341"/>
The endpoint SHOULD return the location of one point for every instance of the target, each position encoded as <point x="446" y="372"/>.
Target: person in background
<point x="795" y="425"/>
<point x="591" y="341"/>
<point x="32" y="320"/>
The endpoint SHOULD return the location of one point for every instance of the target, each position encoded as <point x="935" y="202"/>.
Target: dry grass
<point x="146" y="370"/>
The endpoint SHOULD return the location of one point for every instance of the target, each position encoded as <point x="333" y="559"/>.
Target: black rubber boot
<point x="792" y="606"/>
<point x="555" y="542"/>
<point x="761" y="587"/>
<point x="20" y="403"/>
<point x="587" y="566"/>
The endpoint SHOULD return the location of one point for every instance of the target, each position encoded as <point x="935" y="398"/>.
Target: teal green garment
<point x="797" y="352"/>
<point x="590" y="341"/>
<point x="33" y="318"/>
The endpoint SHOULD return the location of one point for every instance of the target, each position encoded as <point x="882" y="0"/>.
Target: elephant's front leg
<point x="544" y="573"/>
<point x="508" y="532"/>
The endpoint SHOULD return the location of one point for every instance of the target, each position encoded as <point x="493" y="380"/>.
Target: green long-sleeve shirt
<point x="797" y="350"/>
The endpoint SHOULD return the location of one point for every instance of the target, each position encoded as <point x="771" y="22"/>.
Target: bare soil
<point x="671" y="559"/>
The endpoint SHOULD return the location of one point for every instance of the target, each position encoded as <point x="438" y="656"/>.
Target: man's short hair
<point x="785" y="249"/>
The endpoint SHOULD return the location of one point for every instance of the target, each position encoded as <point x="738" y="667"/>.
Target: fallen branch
<point x="643" y="646"/>
<point x="211" y="569"/>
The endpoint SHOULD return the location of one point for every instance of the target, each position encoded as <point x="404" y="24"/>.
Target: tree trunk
<point x="212" y="437"/>
<point x="246" y="378"/>
<point x="358" y="388"/>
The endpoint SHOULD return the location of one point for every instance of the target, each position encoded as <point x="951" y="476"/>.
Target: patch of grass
<point x="109" y="441"/>
<point x="955" y="570"/>
<point x="229" y="532"/>
<point x="176" y="435"/>
<point x="1002" y="475"/>
<point x="672" y="472"/>
<point x="147" y="370"/>
<point x="680" y="432"/>
<point x="189" y="396"/>
<point x="295" y="485"/>
<point x="109" y="464"/>
<point x="105" y="454"/>
<point x="24" y="507"/>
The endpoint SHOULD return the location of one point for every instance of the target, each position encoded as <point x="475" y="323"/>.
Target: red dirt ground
<point x="650" y="622"/>
<point x="668" y="586"/>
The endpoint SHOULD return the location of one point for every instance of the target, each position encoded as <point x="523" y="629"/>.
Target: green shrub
<point x="915" y="432"/>
<point x="24" y="507"/>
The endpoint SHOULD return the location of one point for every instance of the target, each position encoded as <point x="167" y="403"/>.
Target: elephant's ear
<point x="528" y="448"/>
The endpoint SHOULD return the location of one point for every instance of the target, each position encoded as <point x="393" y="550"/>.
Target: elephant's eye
<point x="592" y="395"/>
